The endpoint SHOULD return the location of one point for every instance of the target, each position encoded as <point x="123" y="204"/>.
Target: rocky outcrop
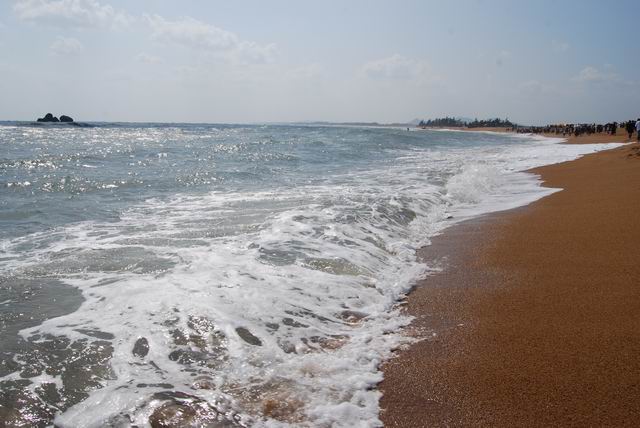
<point x="48" y="118"/>
<point x="51" y="118"/>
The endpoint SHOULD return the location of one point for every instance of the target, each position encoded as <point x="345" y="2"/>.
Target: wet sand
<point x="535" y="320"/>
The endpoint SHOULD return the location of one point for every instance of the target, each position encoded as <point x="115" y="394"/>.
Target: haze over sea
<point x="231" y="273"/>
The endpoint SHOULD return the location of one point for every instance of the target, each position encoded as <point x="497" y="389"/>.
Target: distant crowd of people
<point x="578" y="129"/>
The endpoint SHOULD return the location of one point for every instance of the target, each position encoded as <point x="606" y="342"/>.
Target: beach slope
<point x="536" y="319"/>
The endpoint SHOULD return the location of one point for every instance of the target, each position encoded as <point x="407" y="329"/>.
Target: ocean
<point x="226" y="275"/>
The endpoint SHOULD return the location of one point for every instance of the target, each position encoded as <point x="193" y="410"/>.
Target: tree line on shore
<point x="563" y="129"/>
<point x="452" y="122"/>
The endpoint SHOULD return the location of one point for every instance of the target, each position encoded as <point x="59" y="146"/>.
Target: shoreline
<point x="533" y="320"/>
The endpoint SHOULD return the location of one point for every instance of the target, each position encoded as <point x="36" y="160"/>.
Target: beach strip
<point x="535" y="320"/>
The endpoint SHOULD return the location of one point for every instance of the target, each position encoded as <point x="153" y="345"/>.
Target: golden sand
<point x="536" y="319"/>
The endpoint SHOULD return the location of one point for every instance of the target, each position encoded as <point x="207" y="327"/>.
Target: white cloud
<point x="591" y="74"/>
<point x="71" y="13"/>
<point x="66" y="46"/>
<point x="148" y="59"/>
<point x="198" y="35"/>
<point x="395" y="67"/>
<point x="559" y="46"/>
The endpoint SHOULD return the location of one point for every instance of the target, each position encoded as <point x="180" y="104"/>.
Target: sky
<point x="282" y="61"/>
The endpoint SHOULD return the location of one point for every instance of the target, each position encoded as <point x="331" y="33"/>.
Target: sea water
<point x="226" y="275"/>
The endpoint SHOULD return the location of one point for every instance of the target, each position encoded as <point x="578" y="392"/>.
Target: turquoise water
<point x="246" y="275"/>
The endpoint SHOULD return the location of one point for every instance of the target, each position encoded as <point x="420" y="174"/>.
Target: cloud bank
<point x="197" y="35"/>
<point x="71" y="13"/>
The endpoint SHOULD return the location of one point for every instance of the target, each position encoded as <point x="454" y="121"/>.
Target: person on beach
<point x="638" y="129"/>
<point x="630" y="127"/>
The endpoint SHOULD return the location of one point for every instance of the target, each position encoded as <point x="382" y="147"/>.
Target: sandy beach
<point x="534" y="320"/>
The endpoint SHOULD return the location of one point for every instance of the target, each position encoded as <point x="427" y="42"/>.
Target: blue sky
<point x="259" y="61"/>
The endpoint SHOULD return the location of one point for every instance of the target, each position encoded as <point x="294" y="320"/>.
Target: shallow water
<point x="225" y="275"/>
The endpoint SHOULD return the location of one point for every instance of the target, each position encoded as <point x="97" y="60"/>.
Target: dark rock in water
<point x="141" y="347"/>
<point x="51" y="118"/>
<point x="248" y="337"/>
<point x="48" y="118"/>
